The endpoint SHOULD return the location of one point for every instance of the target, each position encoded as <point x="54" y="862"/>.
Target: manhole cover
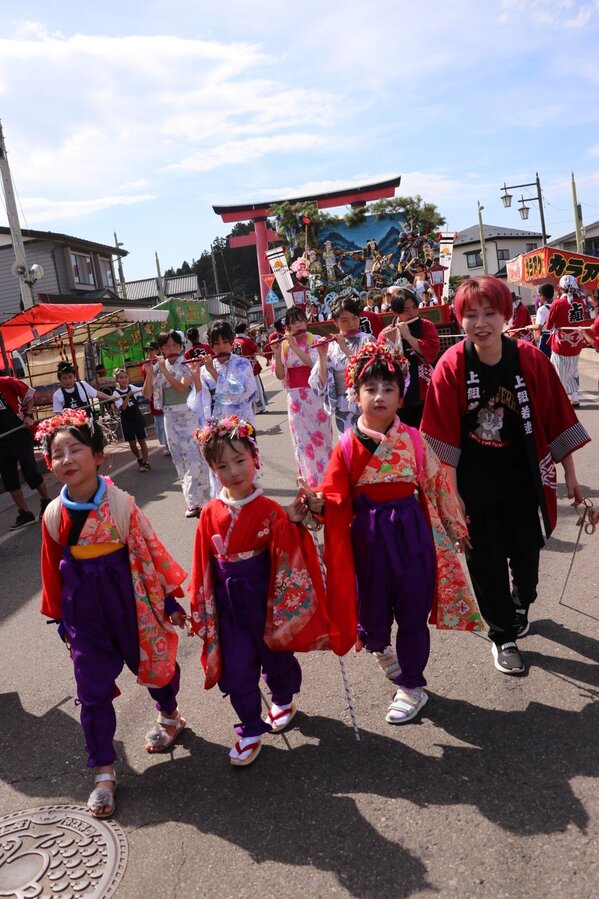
<point x="60" y="851"/>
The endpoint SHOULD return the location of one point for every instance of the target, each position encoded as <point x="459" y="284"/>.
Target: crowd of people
<point x="435" y="456"/>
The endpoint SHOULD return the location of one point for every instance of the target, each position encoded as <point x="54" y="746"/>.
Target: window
<point x="83" y="270"/>
<point x="106" y="270"/>
<point x="503" y="255"/>
<point x="474" y="260"/>
<point x="530" y="247"/>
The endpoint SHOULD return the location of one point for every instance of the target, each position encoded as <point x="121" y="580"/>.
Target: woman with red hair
<point x="497" y="415"/>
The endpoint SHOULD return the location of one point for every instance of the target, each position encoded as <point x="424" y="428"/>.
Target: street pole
<point x="119" y="263"/>
<point x="481" y="231"/>
<point x="20" y="267"/>
<point x="541" y="211"/>
<point x="160" y="282"/>
<point x="577" y="219"/>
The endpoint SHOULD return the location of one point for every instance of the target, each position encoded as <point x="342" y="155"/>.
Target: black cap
<point x="152" y="345"/>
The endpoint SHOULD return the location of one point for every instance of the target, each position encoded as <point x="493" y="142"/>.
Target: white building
<point x="501" y="244"/>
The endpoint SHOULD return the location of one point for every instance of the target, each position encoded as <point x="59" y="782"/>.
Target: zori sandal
<point x="158" y="739"/>
<point x="245" y="754"/>
<point x="278" y="721"/>
<point x="406" y="705"/>
<point x="387" y="660"/>
<point x="101" y="798"/>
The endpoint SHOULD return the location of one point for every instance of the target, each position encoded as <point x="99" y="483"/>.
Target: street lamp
<point x="506" y="199"/>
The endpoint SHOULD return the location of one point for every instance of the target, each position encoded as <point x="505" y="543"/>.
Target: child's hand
<point x="315" y="501"/>
<point x="297" y="509"/>
<point x="463" y="544"/>
<point x="178" y="619"/>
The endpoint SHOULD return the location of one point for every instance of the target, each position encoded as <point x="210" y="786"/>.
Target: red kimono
<point x="296" y="617"/>
<point x="548" y="415"/>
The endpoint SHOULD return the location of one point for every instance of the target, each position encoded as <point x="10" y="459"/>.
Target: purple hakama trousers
<point x="98" y="612"/>
<point x="395" y="569"/>
<point x="241" y="591"/>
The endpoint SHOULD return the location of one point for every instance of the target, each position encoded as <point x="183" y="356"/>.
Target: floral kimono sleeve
<point x="170" y="573"/>
<point x="441" y="495"/>
<point x="296" y="619"/>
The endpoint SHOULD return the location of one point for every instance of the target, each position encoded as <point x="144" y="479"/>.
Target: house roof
<point x="68" y="240"/>
<point x="492" y="232"/>
<point x="571" y="236"/>
<point x="147" y="288"/>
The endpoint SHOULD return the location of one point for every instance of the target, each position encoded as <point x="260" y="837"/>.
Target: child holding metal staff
<point x="499" y="419"/>
<point x="391" y="521"/>
<point x="257" y="594"/>
<point x="110" y="585"/>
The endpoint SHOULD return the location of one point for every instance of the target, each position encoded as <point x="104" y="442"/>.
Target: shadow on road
<point x="297" y="807"/>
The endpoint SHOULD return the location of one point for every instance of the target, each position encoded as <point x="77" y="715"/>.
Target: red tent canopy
<point x="23" y="328"/>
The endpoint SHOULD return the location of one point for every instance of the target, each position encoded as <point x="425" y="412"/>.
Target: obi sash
<point x="297" y="376"/>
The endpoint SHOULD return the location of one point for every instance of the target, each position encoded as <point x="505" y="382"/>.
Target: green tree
<point x="425" y="217"/>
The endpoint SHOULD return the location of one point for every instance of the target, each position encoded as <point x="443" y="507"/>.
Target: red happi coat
<point x="556" y="429"/>
<point x="429" y="343"/>
<point x="563" y="314"/>
<point x="296" y="614"/>
<point x="520" y="319"/>
<point x="245" y="346"/>
<point x="393" y="472"/>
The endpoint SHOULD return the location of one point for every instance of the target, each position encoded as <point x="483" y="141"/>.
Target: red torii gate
<point x="258" y="213"/>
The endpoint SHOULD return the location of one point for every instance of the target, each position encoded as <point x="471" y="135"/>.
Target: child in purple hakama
<point x="110" y="585"/>
<point x="391" y="521"/>
<point x="256" y="590"/>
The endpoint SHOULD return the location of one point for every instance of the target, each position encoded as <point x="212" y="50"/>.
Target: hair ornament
<point x="368" y="354"/>
<point x="69" y="418"/>
<point x="230" y="428"/>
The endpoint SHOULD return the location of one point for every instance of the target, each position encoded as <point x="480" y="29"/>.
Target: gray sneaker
<point x="522" y="622"/>
<point x="507" y="658"/>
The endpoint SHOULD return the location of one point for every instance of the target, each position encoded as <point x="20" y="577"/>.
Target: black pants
<point x="15" y="450"/>
<point x="506" y="538"/>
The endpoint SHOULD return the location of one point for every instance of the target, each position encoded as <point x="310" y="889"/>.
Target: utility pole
<point x="161" y="293"/>
<point x="577" y="219"/>
<point x="20" y="267"/>
<point x="481" y="231"/>
<point x="119" y="263"/>
<point x="214" y="271"/>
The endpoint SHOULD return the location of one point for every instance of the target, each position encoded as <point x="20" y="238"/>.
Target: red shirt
<point x="13" y="391"/>
<point x="189" y="354"/>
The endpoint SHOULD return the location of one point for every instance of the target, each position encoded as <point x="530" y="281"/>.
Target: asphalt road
<point x="493" y="792"/>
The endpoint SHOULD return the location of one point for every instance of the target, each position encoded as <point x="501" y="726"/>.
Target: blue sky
<point x="136" y="117"/>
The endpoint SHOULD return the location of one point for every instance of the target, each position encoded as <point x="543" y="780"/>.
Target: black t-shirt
<point x="493" y="447"/>
<point x="132" y="413"/>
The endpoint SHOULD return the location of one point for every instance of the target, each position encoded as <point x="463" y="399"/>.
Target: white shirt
<point x="542" y="316"/>
<point x="82" y="386"/>
<point x="119" y="397"/>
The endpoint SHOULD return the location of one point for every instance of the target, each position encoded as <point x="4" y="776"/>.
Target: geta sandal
<point x="252" y="748"/>
<point x="280" y="720"/>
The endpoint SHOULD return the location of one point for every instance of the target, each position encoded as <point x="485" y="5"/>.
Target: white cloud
<point x="553" y="14"/>
<point x="42" y="209"/>
<point x="242" y="151"/>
